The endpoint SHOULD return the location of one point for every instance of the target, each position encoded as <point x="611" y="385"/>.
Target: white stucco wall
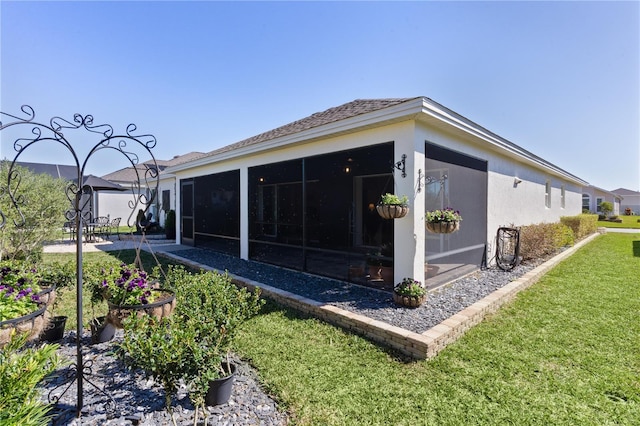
<point x="509" y="204"/>
<point x="115" y="204"/>
<point x="632" y="202"/>
<point x="596" y="193"/>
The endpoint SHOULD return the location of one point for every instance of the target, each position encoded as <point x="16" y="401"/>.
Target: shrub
<point x="42" y="202"/>
<point x="606" y="207"/>
<point x="159" y="348"/>
<point x="191" y="344"/>
<point x="582" y="225"/>
<point x="543" y="239"/>
<point x="20" y="372"/>
<point x="170" y="224"/>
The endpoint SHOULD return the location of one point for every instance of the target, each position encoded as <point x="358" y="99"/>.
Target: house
<point x="119" y="204"/>
<point x="592" y="197"/>
<point x="631" y="200"/>
<point x="101" y="187"/>
<point x="303" y="195"/>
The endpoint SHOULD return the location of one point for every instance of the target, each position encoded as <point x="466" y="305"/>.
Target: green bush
<point x="42" y="202"/>
<point x="606" y="207"/>
<point x="170" y="225"/>
<point x="543" y="239"/>
<point x="20" y="372"/>
<point x="582" y="225"/>
<point x="193" y="342"/>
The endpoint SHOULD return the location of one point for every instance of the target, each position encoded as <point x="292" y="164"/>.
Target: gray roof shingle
<point x="331" y="115"/>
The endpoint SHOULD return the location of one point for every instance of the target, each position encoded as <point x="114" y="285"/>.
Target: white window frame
<point x="547" y="194"/>
<point x="588" y="198"/>
<point x="563" y="197"/>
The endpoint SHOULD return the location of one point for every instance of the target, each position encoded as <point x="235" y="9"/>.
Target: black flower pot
<point x="54" y="331"/>
<point x="101" y="330"/>
<point x="220" y="389"/>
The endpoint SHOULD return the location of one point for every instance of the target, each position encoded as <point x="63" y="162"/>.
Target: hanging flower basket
<point x="443" y="227"/>
<point x="392" y="206"/>
<point x="162" y="306"/>
<point x="31" y="323"/>
<point x="392" y="211"/>
<point x="443" y="221"/>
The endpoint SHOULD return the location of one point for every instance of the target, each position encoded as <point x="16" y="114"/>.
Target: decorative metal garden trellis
<point x="56" y="132"/>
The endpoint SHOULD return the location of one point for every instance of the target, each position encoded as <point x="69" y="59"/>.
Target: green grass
<point x="565" y="352"/>
<point x="627" y="222"/>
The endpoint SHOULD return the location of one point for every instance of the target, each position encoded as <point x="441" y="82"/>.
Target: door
<point x="186" y="212"/>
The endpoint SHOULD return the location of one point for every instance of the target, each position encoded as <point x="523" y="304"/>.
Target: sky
<point x="560" y="79"/>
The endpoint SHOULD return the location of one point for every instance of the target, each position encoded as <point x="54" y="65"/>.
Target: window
<point x="599" y="201"/>
<point x="562" y="197"/>
<point x="547" y="194"/>
<point x="586" y="203"/>
<point x="166" y="200"/>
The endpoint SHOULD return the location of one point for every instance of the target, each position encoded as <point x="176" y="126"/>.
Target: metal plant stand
<point x="57" y="132"/>
<point x="508" y="248"/>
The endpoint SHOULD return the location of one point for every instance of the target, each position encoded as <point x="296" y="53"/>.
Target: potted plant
<point x="170" y="225"/>
<point x="410" y="293"/>
<point x="93" y="279"/>
<point x="380" y="264"/>
<point x="392" y="206"/>
<point x="128" y="289"/>
<point x="20" y="306"/>
<point x="443" y="221"/>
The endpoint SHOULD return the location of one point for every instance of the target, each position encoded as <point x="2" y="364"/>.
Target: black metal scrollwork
<point x="58" y="131"/>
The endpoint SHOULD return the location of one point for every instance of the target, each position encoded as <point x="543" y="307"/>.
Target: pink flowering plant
<point x="126" y="286"/>
<point x="18" y="291"/>
<point x="443" y="215"/>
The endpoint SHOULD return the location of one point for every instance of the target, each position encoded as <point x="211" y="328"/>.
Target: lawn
<point x="565" y="352"/>
<point x="627" y="222"/>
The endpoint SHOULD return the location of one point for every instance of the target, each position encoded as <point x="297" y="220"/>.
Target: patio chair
<point x="70" y="227"/>
<point x="101" y="226"/>
<point x="114" y="226"/>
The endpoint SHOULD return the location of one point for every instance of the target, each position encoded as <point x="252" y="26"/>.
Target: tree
<point x="42" y="201"/>
<point x="606" y="208"/>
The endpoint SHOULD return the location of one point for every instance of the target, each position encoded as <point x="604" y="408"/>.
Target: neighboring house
<point x="592" y="197"/>
<point x="631" y="200"/>
<point x="124" y="204"/>
<point x="102" y="187"/>
<point x="303" y="195"/>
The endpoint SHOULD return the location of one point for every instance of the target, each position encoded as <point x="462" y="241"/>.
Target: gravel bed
<point x="140" y="400"/>
<point x="441" y="303"/>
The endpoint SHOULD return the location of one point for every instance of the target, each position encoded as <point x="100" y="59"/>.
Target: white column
<point x="409" y="231"/>
<point x="244" y="213"/>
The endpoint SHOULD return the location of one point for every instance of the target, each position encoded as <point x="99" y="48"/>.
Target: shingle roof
<point x="128" y="174"/>
<point x="55" y="170"/>
<point x="624" y="191"/>
<point x="331" y="115"/>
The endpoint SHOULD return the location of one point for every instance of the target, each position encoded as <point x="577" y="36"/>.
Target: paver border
<point x="417" y="345"/>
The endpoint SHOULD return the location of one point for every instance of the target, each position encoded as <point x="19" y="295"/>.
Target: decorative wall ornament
<point x="429" y="180"/>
